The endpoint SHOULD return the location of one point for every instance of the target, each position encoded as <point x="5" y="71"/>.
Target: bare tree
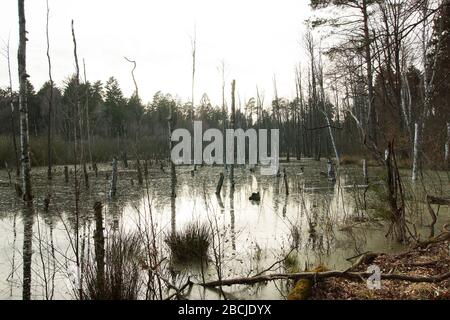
<point x="23" y="106"/>
<point x="88" y="122"/>
<point x="233" y="126"/>
<point x="194" y="58"/>
<point x="50" y="101"/>
<point x="77" y="149"/>
<point x="12" y="115"/>
<point x="224" y="110"/>
<point x="429" y="76"/>
<point x="137" y="135"/>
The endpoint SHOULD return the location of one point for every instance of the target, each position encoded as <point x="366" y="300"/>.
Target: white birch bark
<point x="23" y="106"/>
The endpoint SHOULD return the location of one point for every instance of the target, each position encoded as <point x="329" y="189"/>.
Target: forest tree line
<point x="387" y="75"/>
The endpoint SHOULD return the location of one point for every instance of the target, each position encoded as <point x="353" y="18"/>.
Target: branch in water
<point x="325" y="275"/>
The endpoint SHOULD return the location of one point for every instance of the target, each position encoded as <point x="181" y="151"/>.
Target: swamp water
<point x="319" y="222"/>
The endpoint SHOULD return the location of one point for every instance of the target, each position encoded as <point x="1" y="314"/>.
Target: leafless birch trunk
<point x="23" y="106"/>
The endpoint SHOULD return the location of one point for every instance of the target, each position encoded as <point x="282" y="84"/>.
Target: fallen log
<point x="443" y="236"/>
<point x="359" y="276"/>
<point x="438" y="201"/>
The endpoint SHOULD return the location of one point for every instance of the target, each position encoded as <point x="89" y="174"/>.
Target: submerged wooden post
<point x="94" y="166"/>
<point x="365" y="172"/>
<point x="85" y="175"/>
<point x="139" y="172"/>
<point x="125" y="160"/>
<point x="66" y="174"/>
<point x="146" y="168"/>
<point x="8" y="170"/>
<point x="219" y="185"/>
<point x="331" y="174"/>
<point x="99" y="240"/>
<point x="113" y="185"/>
<point x="286" y="185"/>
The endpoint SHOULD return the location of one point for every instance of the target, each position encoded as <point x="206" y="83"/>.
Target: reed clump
<point x="191" y="244"/>
<point x="123" y="276"/>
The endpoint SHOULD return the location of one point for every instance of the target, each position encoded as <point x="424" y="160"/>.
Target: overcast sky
<point x="257" y="39"/>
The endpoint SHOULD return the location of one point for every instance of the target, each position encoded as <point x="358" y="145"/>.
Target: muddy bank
<point x="433" y="260"/>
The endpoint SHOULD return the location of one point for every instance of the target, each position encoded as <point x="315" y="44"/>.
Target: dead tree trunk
<point x="219" y="185"/>
<point x="50" y="103"/>
<point x="371" y="114"/>
<point x="99" y="239"/>
<point x="77" y="148"/>
<point x="139" y="170"/>
<point x="66" y="174"/>
<point x="78" y="120"/>
<point x="136" y="144"/>
<point x="88" y="123"/>
<point x="25" y="156"/>
<point x="23" y="106"/>
<point x="194" y="57"/>
<point x="113" y="184"/>
<point x="27" y="249"/>
<point x="365" y="172"/>
<point x="286" y="185"/>
<point x="395" y="197"/>
<point x="333" y="142"/>
<point x="173" y="174"/>
<point x="233" y="125"/>
<point x="146" y="168"/>
<point x="355" y="276"/>
<point x="224" y="113"/>
<point x="12" y="117"/>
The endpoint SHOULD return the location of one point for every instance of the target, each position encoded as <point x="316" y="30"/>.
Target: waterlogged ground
<point x="334" y="221"/>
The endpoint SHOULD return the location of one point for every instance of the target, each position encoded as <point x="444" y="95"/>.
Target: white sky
<point x="256" y="38"/>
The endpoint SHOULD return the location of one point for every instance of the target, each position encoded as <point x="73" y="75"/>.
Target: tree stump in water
<point x="255" y="197"/>
<point x="19" y="192"/>
<point x="286" y="185"/>
<point x="113" y="185"/>
<point x="66" y="174"/>
<point x="146" y="168"/>
<point x="99" y="240"/>
<point x="330" y="172"/>
<point x="95" y="168"/>
<point x="139" y="173"/>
